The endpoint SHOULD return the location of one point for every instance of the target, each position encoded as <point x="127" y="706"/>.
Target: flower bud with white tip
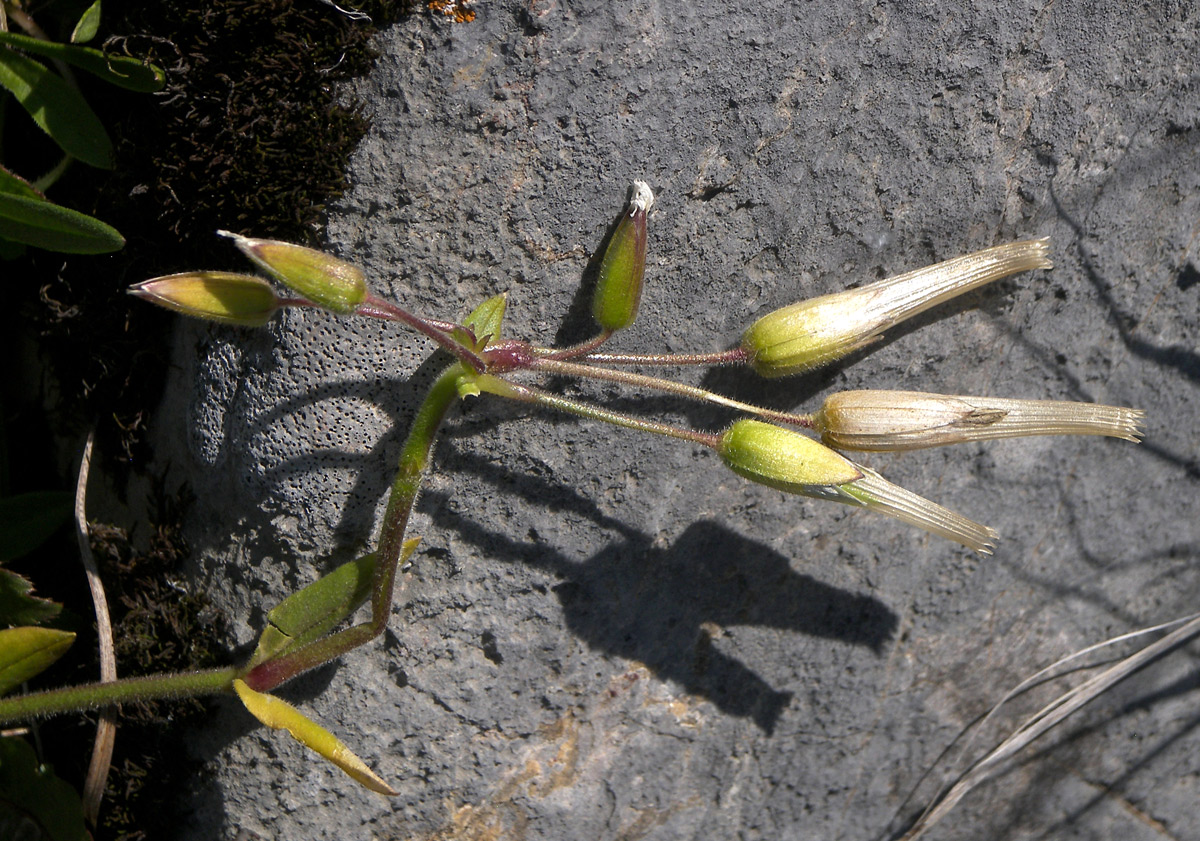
<point x="623" y="267"/>
<point x="910" y="420"/>
<point x="325" y="280"/>
<point x="795" y="463"/>
<point x="817" y="331"/>
<point x="225" y="297"/>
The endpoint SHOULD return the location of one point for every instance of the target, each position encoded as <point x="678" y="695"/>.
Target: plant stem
<point x="716" y="357"/>
<point x="526" y="394"/>
<point x="574" y="369"/>
<point x="576" y="351"/>
<point x="439" y="331"/>
<point x="92" y="695"/>
<point x="48" y="180"/>
<point x="414" y="464"/>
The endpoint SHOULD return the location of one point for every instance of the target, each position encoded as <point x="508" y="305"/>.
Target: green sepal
<point x="485" y="322"/>
<point x="224" y="297"/>
<point x="26" y="652"/>
<point x="622" y="269"/>
<point x="328" y="281"/>
<point x="34" y="801"/>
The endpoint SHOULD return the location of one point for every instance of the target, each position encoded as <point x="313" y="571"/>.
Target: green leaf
<point x="57" y="108"/>
<point x="27" y="520"/>
<point x="25" y="652"/>
<point x="18" y="607"/>
<point x="10" y="250"/>
<point x="121" y="70"/>
<point x="486" y="320"/>
<point x="89" y="22"/>
<point x="34" y="802"/>
<point x="278" y="714"/>
<point x="55" y="228"/>
<point x="15" y="185"/>
<point x="311" y="613"/>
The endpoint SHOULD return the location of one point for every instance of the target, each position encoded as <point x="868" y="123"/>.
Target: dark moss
<point x="249" y="135"/>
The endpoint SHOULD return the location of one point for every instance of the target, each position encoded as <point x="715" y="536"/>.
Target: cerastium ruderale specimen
<point x="764" y="445"/>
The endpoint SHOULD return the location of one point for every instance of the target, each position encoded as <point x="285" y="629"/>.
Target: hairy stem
<point x="576" y="351"/>
<point x="575" y="369"/>
<point x="414" y="464"/>
<point x="526" y="394"/>
<point x="93" y="695"/>
<point x="439" y="331"/>
<point x="716" y="357"/>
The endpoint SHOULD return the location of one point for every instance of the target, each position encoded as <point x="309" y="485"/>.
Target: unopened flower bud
<point x="792" y="462"/>
<point x="817" y="331"/>
<point x="909" y="420"/>
<point x="216" y="296"/>
<point x="619" y="284"/>
<point x="780" y="458"/>
<point x="325" y="280"/>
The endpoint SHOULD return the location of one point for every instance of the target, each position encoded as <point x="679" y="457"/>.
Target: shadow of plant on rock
<point x="667" y="607"/>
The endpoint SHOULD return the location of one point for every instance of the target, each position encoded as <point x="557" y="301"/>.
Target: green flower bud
<point x="795" y="463"/>
<point x="811" y="333"/>
<point x="619" y="284"/>
<point x="783" y="459"/>
<point x="215" y="296"/>
<point x="321" y="278"/>
<point x="909" y="420"/>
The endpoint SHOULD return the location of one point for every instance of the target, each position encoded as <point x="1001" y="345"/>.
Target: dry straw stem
<point x="1053" y="713"/>
<point x="106" y="727"/>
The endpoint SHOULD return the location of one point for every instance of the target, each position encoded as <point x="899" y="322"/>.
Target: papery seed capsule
<point x="909" y="420"/>
<point x="792" y="462"/>
<point x="216" y="296"/>
<point x="325" y="280"/>
<point x="811" y="333"/>
<point x="619" y="284"/>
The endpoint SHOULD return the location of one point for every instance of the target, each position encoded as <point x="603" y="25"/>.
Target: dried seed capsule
<point x="325" y="280"/>
<point x="811" y="333"/>
<point x="795" y="463"/>
<point x="619" y="285"/>
<point x="216" y="296"/>
<point x="909" y="420"/>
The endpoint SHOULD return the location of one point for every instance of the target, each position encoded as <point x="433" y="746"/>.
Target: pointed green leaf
<point x="89" y="23"/>
<point x="311" y="613"/>
<point x="18" y="607"/>
<point x="27" y="520"/>
<point x="34" y="802"/>
<point x="280" y="715"/>
<point x="121" y="70"/>
<point x="486" y="320"/>
<point x="15" y="185"/>
<point x="25" y="652"/>
<point x="50" y="226"/>
<point x="57" y="108"/>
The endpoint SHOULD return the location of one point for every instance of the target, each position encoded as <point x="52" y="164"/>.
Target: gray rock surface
<point x="608" y="636"/>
